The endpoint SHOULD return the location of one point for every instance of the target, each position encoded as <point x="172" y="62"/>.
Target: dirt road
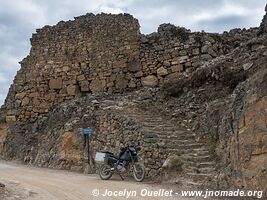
<point x="29" y="183"/>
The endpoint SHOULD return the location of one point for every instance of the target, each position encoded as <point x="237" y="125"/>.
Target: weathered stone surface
<point x="132" y="84"/>
<point x="183" y="59"/>
<point x="97" y="85"/>
<point x="73" y="90"/>
<point x="166" y="63"/>
<point x="150" y="81"/>
<point x="70" y="149"/>
<point x="134" y="66"/>
<point x="138" y="74"/>
<point x="81" y="77"/>
<point x="172" y="77"/>
<point x="121" y="82"/>
<point x="10" y="119"/>
<point x="195" y="51"/>
<point x="84" y="86"/>
<point x="177" y="68"/>
<point x="204" y="49"/>
<point x="162" y="71"/>
<point x="247" y="66"/>
<point x="173" y="162"/>
<point x="3" y="134"/>
<point x="252" y="146"/>
<point x="20" y="95"/>
<point x="25" y="101"/>
<point x="55" y="83"/>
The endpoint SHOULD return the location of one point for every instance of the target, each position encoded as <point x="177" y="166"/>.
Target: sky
<point x="20" y="18"/>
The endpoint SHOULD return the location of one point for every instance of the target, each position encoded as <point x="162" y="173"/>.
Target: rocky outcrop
<point x="243" y="132"/>
<point x="248" y="146"/>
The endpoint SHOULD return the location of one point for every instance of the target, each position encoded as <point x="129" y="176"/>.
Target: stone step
<point x="201" y="176"/>
<point x="193" y="183"/>
<point x="194" y="153"/>
<point x="175" y="137"/>
<point x="156" y="124"/>
<point x="163" y="129"/>
<point x="143" y="116"/>
<point x="169" y="138"/>
<point x="201" y="151"/>
<point x="165" y="153"/>
<point x="200" y="164"/>
<point x="181" y="151"/>
<point x="192" y="169"/>
<point x="187" y="157"/>
<point x="171" y="147"/>
<point x="173" y="143"/>
<point x="177" y="141"/>
<point x="167" y="142"/>
<point x="201" y="155"/>
<point x="149" y="120"/>
<point x="177" y="145"/>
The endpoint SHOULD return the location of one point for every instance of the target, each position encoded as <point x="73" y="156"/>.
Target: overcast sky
<point x="20" y="18"/>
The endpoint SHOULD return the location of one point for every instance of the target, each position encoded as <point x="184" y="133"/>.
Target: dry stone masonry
<point x="106" y="53"/>
<point x="90" y="54"/>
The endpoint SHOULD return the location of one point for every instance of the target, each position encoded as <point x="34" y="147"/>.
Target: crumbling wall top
<point x="263" y="26"/>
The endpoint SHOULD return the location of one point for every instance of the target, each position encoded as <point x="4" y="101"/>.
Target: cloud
<point x="3" y="79"/>
<point x="19" y="19"/>
<point x="107" y="9"/>
<point x="227" y="17"/>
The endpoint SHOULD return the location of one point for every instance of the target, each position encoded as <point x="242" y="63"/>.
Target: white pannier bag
<point x="100" y="157"/>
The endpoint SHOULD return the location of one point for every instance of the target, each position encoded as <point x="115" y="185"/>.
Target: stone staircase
<point x="163" y="138"/>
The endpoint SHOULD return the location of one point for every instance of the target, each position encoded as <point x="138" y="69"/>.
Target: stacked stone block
<point x="105" y="53"/>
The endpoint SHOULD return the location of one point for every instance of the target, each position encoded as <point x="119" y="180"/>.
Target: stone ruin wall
<point x="263" y="26"/>
<point x="106" y="53"/>
<point x="88" y="54"/>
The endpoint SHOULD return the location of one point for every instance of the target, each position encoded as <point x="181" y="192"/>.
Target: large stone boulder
<point x="173" y="162"/>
